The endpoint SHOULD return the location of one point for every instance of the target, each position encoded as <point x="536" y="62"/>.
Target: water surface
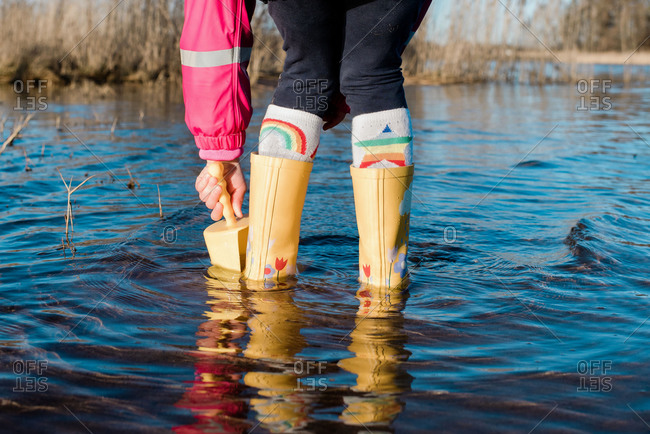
<point x="527" y="306"/>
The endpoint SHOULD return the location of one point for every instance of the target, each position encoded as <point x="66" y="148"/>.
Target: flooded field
<point x="527" y="307"/>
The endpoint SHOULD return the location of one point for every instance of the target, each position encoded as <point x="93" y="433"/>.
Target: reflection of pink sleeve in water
<point x="215" y="47"/>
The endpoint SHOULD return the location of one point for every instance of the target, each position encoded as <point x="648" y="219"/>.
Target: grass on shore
<point x="105" y="41"/>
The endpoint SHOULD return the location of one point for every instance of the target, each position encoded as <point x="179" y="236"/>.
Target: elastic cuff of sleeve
<point x="222" y="148"/>
<point x="220" y="154"/>
<point x="228" y="143"/>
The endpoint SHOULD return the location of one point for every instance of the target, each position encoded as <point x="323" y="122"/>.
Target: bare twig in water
<point x="2" y="126"/>
<point x="27" y="161"/>
<point x="69" y="223"/>
<point x="159" y="202"/>
<point x="19" y="126"/>
<point x="113" y="127"/>
<point x="132" y="181"/>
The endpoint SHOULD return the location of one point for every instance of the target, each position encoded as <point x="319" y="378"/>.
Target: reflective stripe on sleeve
<point x="208" y="59"/>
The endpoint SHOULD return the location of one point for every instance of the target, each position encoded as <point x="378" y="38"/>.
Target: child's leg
<point x="372" y="81"/>
<point x="376" y="33"/>
<point x="312" y="33"/>
<point x="313" y="38"/>
<point x="382" y="172"/>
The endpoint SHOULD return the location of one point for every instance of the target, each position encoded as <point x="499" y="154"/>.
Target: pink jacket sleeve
<point x="215" y="48"/>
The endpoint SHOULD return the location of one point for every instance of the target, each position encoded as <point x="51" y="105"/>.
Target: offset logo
<point x="307" y="372"/>
<point x="594" y="375"/>
<point x="594" y="95"/>
<point x="169" y="234"/>
<point x="30" y="375"/>
<point x="30" y="95"/>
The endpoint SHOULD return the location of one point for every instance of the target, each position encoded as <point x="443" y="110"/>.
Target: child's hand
<point x="336" y="113"/>
<point x="209" y="190"/>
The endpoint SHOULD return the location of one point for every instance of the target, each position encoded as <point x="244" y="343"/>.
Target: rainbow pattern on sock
<point x="386" y="146"/>
<point x="293" y="137"/>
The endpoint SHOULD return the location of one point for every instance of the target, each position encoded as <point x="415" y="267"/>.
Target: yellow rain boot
<point x="277" y="194"/>
<point x="382" y="199"/>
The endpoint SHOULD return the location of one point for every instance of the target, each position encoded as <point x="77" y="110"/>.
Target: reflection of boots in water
<point x="213" y="396"/>
<point x="275" y="339"/>
<point x="378" y="346"/>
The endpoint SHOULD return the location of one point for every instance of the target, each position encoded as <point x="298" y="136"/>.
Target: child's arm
<point x="215" y="47"/>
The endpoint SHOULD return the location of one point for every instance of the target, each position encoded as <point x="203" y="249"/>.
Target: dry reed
<point x="113" y="127"/>
<point x="132" y="181"/>
<point x="159" y="202"/>
<point x="27" y="161"/>
<point x="18" y="127"/>
<point x="69" y="221"/>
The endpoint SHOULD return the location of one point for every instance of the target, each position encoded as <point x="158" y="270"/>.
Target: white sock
<point x="382" y="139"/>
<point x="290" y="133"/>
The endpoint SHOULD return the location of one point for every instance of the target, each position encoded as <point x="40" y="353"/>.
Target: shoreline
<point x="613" y="58"/>
<point x="625" y="59"/>
<point x="638" y="58"/>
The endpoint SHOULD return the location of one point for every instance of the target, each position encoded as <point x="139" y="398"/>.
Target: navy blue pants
<point x="349" y="46"/>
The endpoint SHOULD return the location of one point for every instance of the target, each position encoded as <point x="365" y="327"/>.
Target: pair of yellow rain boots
<point x="277" y="195"/>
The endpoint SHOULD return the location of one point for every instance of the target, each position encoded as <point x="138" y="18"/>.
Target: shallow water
<point x="527" y="307"/>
